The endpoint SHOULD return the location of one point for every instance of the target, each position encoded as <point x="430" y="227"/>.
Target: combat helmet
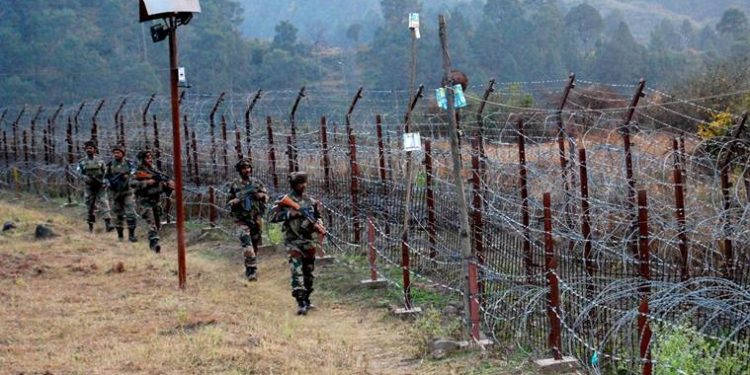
<point x="297" y="178"/>
<point x="244" y="162"/>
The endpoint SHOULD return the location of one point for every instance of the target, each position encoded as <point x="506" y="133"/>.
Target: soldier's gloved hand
<point x="106" y="184"/>
<point x="294" y="213"/>
<point x="263" y="197"/>
<point x="170" y="184"/>
<point x="233" y="202"/>
<point x="150" y="182"/>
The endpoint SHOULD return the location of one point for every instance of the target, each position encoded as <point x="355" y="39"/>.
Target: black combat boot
<point x="120" y="234"/>
<point x="91" y="227"/>
<point x="108" y="225"/>
<point x="251" y="267"/>
<point x="131" y="235"/>
<point x="153" y="244"/>
<point x="306" y="298"/>
<point x="299" y="295"/>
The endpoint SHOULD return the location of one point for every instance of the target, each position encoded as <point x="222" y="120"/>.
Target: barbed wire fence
<point x="592" y="235"/>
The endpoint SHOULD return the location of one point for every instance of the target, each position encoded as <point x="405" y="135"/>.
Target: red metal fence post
<point x="211" y="206"/>
<point x="644" y="329"/>
<point x="224" y="154"/>
<point x="326" y="159"/>
<point x="586" y="217"/>
<point x="477" y="224"/>
<point x="524" y="201"/>
<point x="550" y="265"/>
<point x="272" y="154"/>
<point x="679" y="202"/>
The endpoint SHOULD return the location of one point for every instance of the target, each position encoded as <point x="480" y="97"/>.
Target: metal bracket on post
<point x="374" y="282"/>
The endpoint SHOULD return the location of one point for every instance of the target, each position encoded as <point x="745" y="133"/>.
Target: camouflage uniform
<point x="301" y="240"/>
<point x="119" y="175"/>
<point x="248" y="214"/>
<point x="148" y="200"/>
<point x="95" y="190"/>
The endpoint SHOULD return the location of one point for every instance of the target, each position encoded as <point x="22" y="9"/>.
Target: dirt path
<point x="85" y="304"/>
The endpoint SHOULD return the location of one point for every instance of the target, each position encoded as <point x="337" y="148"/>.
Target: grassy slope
<point x="64" y="308"/>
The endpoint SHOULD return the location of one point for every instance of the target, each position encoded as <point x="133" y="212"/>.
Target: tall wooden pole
<point x="458" y="180"/>
<point x="177" y="153"/>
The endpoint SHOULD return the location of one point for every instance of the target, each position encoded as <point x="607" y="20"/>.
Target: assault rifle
<point x="159" y="177"/>
<point x="307" y="213"/>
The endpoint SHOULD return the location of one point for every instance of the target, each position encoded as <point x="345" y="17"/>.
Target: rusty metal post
<point x="212" y="131"/>
<point x="550" y="265"/>
<point x="356" y="227"/>
<point x="157" y="143"/>
<point x="94" y="124"/>
<point x="144" y="118"/>
<point x="405" y="270"/>
<point x="679" y="202"/>
<point x="293" y="125"/>
<point x="561" y="131"/>
<point x="476" y="204"/>
<point x="356" y="98"/>
<point x="272" y="154"/>
<point x="525" y="221"/>
<point x="586" y="217"/>
<point x="45" y="141"/>
<point x="644" y="329"/>
<point x="14" y="146"/>
<point x="53" y="132"/>
<point x="224" y="144"/>
<point x="381" y="150"/>
<point x="26" y="146"/>
<point x="430" y="193"/>
<point x="34" y="150"/>
<point x="725" y="165"/>
<point x="326" y="159"/>
<point x="480" y="121"/>
<point x="212" y="206"/>
<point x="177" y="154"/>
<point x="248" y="123"/>
<point x="121" y="138"/>
<point x="625" y="129"/>
<point x="196" y="172"/>
<point x="238" y="143"/>
<point x="475" y="289"/>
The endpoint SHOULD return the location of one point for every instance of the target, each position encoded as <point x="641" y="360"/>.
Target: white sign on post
<point x="181" y="75"/>
<point x="414" y="24"/>
<point x="412" y="142"/>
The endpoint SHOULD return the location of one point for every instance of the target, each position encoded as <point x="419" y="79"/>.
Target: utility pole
<point x="458" y="181"/>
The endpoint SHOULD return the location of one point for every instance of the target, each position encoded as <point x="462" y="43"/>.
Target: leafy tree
<point x="286" y="36"/>
<point x="586" y="24"/>
<point x="733" y="23"/>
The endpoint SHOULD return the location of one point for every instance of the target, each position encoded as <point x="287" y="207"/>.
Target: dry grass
<point x="67" y="306"/>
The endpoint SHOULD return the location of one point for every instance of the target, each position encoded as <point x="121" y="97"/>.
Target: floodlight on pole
<point x="174" y="13"/>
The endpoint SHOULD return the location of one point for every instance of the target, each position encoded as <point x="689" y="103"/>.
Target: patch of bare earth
<point x="86" y="304"/>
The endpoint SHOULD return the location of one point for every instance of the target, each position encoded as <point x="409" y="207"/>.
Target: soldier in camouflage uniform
<point x="150" y="184"/>
<point x="248" y="198"/>
<point x="119" y="173"/>
<point x="301" y="229"/>
<point x="92" y="168"/>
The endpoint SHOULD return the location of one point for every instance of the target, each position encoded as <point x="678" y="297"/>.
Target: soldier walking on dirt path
<point x="149" y="185"/>
<point x="118" y="173"/>
<point x="247" y="200"/>
<point x="92" y="168"/>
<point x="300" y="215"/>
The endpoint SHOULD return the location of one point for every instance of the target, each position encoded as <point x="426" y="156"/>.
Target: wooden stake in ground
<point x="458" y="181"/>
